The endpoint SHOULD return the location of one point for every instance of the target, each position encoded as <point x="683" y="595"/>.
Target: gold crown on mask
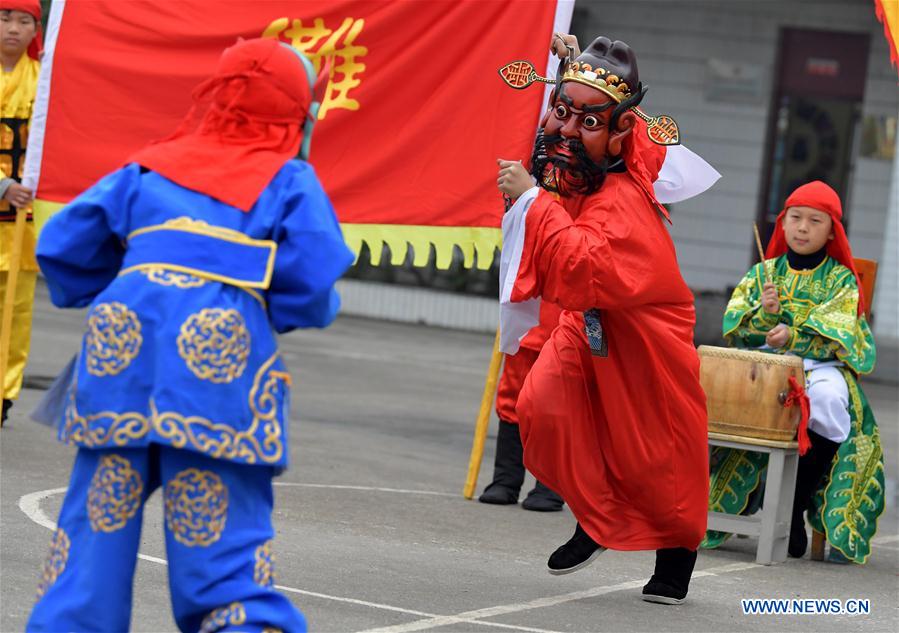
<point x="598" y="78"/>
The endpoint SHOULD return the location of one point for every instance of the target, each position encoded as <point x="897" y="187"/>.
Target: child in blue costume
<point x="190" y="258"/>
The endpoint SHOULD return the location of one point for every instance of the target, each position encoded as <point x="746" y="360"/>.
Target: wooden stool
<point x="772" y="523"/>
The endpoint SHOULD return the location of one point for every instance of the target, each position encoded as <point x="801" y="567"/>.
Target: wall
<point x="673" y="41"/>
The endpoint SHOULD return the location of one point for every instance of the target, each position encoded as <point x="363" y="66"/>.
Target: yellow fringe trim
<point x="400" y="237"/>
<point x="471" y="240"/>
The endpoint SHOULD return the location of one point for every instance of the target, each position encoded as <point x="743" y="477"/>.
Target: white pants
<point x="829" y="398"/>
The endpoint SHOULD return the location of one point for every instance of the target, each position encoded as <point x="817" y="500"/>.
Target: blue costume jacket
<point x="186" y="294"/>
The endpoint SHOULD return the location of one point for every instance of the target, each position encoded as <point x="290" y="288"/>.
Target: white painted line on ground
<point x="30" y="505"/>
<point x="363" y="603"/>
<point x="388" y="607"/>
<point x="370" y="489"/>
<point x="539" y="603"/>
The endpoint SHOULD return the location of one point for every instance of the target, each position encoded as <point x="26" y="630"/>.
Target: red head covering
<point x="33" y="8"/>
<point x="820" y="196"/>
<point x="255" y="106"/>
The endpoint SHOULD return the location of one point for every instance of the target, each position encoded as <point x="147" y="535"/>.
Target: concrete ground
<point x="373" y="533"/>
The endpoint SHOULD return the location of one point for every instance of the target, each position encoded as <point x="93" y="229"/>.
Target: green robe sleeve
<point x="833" y="328"/>
<point x="745" y="322"/>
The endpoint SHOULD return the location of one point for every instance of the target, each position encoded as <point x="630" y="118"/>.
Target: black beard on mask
<point x="589" y="174"/>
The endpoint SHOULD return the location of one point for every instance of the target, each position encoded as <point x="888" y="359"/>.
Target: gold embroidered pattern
<point x="56" y="560"/>
<point x="106" y="428"/>
<point x="261" y="441"/>
<point x="113" y="338"/>
<point x="165" y="277"/>
<point x="234" y="614"/>
<point x="196" y="507"/>
<point x="114" y="495"/>
<point x="186" y="223"/>
<point x="215" y="344"/>
<point x="221" y="440"/>
<point x="264" y="570"/>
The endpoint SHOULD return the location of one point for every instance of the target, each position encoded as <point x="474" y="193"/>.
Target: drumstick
<point x="758" y="243"/>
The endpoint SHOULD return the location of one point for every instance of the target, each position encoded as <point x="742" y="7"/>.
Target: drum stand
<point x="772" y="522"/>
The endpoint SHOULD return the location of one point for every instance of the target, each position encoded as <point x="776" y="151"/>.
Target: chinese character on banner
<point x="317" y="41"/>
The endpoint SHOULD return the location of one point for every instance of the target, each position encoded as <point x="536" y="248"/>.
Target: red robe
<point x="622" y="438"/>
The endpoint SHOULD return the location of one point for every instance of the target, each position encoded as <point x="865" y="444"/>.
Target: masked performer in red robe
<point x="612" y="414"/>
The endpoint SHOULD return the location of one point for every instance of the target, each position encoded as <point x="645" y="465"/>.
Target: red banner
<point x="408" y="135"/>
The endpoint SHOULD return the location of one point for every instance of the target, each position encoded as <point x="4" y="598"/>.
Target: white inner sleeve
<point x="515" y="319"/>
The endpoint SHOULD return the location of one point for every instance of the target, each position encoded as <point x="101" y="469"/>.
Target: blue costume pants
<point x="218" y="534"/>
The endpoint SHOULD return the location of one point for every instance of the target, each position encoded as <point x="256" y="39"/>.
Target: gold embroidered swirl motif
<point x="260" y="442"/>
<point x="264" y="569"/>
<point x="221" y="440"/>
<point x="196" y="507"/>
<point x="215" y="344"/>
<point x="103" y="429"/>
<point x="165" y="277"/>
<point x="187" y="223"/>
<point x="56" y="561"/>
<point x="114" y="495"/>
<point x="113" y="338"/>
<point x="234" y="613"/>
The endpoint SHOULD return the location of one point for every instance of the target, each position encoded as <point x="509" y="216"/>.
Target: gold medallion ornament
<point x="662" y="129"/>
<point x="56" y="561"/>
<point x="196" y="506"/>
<point x="215" y="344"/>
<point x="114" y="495"/>
<point x="233" y="614"/>
<point x="113" y="338"/>
<point x="264" y="569"/>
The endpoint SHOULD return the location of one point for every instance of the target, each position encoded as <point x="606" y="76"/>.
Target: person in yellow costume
<point x="20" y="48"/>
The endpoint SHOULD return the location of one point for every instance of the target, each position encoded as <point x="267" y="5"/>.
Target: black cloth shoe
<point x="671" y="580"/>
<point x="542" y="499"/>
<point x="577" y="553"/>
<point x="508" y="469"/>
<point x="814" y="466"/>
<point x="7" y="405"/>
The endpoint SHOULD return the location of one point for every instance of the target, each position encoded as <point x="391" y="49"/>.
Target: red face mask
<point x="576" y="139"/>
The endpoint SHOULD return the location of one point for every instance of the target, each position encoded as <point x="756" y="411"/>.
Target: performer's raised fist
<point x="560" y="43"/>
<point x="770" y="300"/>
<point x="513" y="178"/>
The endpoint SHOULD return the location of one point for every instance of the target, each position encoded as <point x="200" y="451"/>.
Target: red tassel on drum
<point x="798" y="396"/>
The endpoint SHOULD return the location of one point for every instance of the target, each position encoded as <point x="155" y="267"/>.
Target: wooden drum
<point x="745" y="391"/>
